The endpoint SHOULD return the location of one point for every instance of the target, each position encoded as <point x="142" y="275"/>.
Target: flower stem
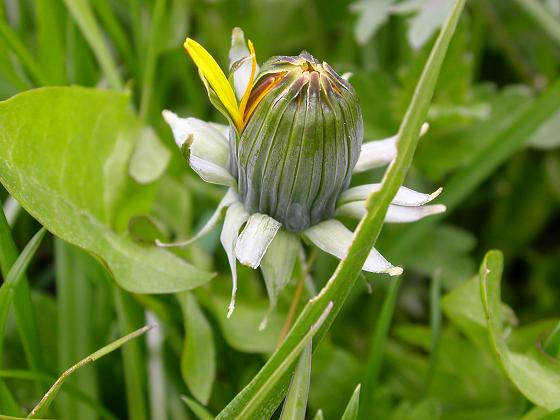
<point x="297" y="297"/>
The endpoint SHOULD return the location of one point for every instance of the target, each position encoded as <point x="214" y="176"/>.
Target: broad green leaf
<point x="448" y="253"/>
<point x="241" y="330"/>
<point x="66" y="165"/>
<point x="267" y="388"/>
<point x="351" y="412"/>
<point x="533" y="373"/>
<point x="295" y="404"/>
<point x="463" y="307"/>
<point x="333" y="378"/>
<point x="198" y="361"/>
<point x="462" y="368"/>
<point x="150" y="157"/>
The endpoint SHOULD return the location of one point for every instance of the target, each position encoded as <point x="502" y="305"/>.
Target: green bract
<point x="299" y="147"/>
<point x="287" y="156"/>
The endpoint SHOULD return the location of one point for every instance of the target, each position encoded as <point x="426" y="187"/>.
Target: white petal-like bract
<point x="334" y="238"/>
<point x="395" y="214"/>
<point x="378" y="153"/>
<point x="253" y="242"/>
<point x="237" y="52"/>
<point x="228" y="199"/>
<point x="207" y="148"/>
<point x="404" y="197"/>
<point x="278" y="263"/>
<point x="235" y="217"/>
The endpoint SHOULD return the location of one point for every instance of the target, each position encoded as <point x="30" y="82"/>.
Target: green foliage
<point x="68" y="169"/>
<point x="97" y="169"/>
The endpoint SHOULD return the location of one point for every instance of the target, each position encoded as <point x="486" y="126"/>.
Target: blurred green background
<point x="493" y="145"/>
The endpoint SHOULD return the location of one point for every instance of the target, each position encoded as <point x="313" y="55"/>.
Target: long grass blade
<point x="75" y="329"/>
<point x="129" y="316"/>
<point x="151" y="56"/>
<point x="546" y="20"/>
<point x="21" y="298"/>
<point x="377" y="346"/>
<point x="47" y="399"/>
<point x="11" y="39"/>
<point x="84" y="17"/>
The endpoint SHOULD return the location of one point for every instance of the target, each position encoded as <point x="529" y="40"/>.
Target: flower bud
<point x="300" y="143"/>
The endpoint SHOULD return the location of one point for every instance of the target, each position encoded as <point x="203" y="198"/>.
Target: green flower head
<point x="293" y="141"/>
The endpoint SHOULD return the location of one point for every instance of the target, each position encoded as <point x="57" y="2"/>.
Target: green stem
<point x="346" y="274"/>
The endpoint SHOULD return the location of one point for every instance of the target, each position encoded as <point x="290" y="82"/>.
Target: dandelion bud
<point x="300" y="143"/>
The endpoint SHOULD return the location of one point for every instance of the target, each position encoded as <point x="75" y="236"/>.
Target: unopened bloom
<point x="293" y="141"/>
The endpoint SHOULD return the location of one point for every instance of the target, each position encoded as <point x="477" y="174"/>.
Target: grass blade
<point x="295" y="404"/>
<point x="50" y="40"/>
<point x="198" y="358"/>
<point x="84" y="17"/>
<point x="75" y="306"/>
<point x="151" y="57"/>
<point x="14" y="278"/>
<point x="115" y="30"/>
<point x="23" y="306"/>
<point x="199" y="411"/>
<point x="344" y="278"/>
<point x="47" y="399"/>
<point x="546" y="20"/>
<point x="351" y="412"/>
<point x="69" y="389"/>
<point x="11" y="39"/>
<point x="134" y="369"/>
<point x="377" y="347"/>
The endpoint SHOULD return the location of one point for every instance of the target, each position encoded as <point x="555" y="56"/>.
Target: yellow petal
<point x="245" y="97"/>
<point x="216" y="79"/>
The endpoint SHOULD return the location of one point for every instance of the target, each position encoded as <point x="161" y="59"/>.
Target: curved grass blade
<point x="341" y="283"/>
<point x="47" y="399"/>
<point x="68" y="388"/>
